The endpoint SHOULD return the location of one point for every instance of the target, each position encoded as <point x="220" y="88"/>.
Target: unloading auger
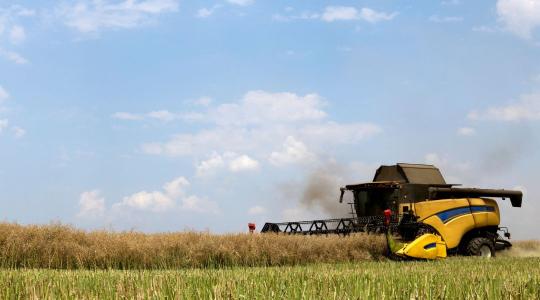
<point x="422" y="216"/>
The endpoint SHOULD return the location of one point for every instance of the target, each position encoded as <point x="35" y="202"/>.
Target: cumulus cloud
<point x="451" y="2"/>
<point x="210" y="166"/>
<point x="339" y="13"/>
<point x="233" y="162"/>
<point x="176" y="188"/>
<point x="12" y="32"/>
<point x="204" y="12"/>
<point x="161" y="115"/>
<point x="152" y="201"/>
<point x="466" y="131"/>
<point x="127" y="116"/>
<point x="348" y="13"/>
<point x="4" y="95"/>
<point x="202" y="101"/>
<point x="446" y="19"/>
<point x="526" y="108"/>
<point x="520" y="17"/>
<point x="173" y="196"/>
<point x="93" y="16"/>
<point x="4" y="123"/>
<point x="91" y="204"/>
<point x="241" y="2"/>
<point x="293" y="151"/>
<point x="372" y="16"/>
<point x="485" y="29"/>
<point x="243" y="163"/>
<point x="13" y="56"/>
<point x="17" y="34"/>
<point x="259" y="123"/>
<point x="18" y="132"/>
<point x="257" y="107"/>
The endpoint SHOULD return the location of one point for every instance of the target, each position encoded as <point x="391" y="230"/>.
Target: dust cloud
<point x="522" y="249"/>
<point x="321" y="191"/>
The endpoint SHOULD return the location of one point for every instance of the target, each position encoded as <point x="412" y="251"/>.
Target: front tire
<point x="481" y="246"/>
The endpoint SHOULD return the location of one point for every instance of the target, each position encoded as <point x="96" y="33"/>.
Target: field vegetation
<point x="60" y="262"/>
<point x="63" y="247"/>
<point x="454" y="278"/>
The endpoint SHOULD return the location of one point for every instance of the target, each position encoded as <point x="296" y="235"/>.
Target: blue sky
<point x="165" y="115"/>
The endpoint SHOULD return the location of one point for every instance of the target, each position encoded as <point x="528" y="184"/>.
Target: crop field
<point x="59" y="262"/>
<point x="455" y="278"/>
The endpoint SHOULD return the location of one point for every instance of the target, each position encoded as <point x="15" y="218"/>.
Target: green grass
<point x="454" y="278"/>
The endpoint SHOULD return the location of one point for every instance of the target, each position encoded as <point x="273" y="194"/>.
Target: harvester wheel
<point x="481" y="246"/>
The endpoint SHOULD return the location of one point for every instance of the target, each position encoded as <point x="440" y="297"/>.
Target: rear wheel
<point x="481" y="246"/>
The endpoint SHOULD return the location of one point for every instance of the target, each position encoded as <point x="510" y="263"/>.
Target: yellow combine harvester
<point x="422" y="215"/>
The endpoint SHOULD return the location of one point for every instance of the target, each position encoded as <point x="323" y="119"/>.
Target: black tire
<point x="481" y="246"/>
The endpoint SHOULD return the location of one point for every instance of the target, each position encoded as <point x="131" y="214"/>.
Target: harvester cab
<point x="423" y="216"/>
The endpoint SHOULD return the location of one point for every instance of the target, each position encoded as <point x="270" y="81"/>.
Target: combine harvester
<point x="423" y="216"/>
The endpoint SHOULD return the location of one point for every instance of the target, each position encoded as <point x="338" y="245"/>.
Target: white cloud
<point x="93" y="16"/>
<point x="162" y="115"/>
<point x="372" y="16"/>
<point x="10" y="20"/>
<point x="207" y="12"/>
<point x="256" y="210"/>
<point x="339" y="13"/>
<point x="13" y="56"/>
<point x="4" y="95"/>
<point x="527" y="108"/>
<point x="520" y="17"/>
<point x="451" y="2"/>
<point x="236" y="163"/>
<point x="243" y="163"/>
<point x="257" y="107"/>
<point x="209" y="166"/>
<point x="176" y="187"/>
<point x="241" y="2"/>
<point x="293" y="151"/>
<point x="447" y="19"/>
<point x="18" y="132"/>
<point x="259" y="122"/>
<point x="156" y="201"/>
<point x="485" y="29"/>
<point x="172" y="197"/>
<point x="17" y="34"/>
<point x="203" y="101"/>
<point x="127" y="116"/>
<point x="150" y="201"/>
<point x="4" y="123"/>
<point x="306" y="15"/>
<point x="466" y="131"/>
<point x="91" y="204"/>
<point x="204" y="12"/>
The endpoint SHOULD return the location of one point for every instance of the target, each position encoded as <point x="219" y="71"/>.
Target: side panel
<point x="453" y="218"/>
<point x="485" y="212"/>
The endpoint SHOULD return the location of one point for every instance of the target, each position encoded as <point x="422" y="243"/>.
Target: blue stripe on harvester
<point x="447" y="215"/>
<point x="429" y="246"/>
